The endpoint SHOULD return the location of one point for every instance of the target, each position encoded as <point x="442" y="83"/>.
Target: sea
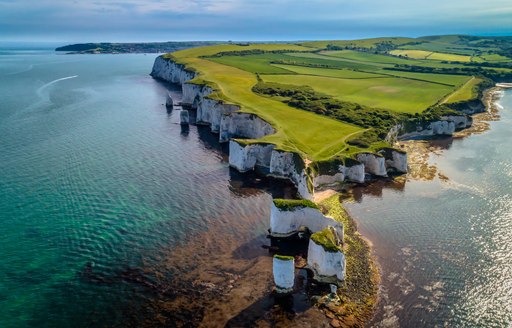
<point x="99" y="185"/>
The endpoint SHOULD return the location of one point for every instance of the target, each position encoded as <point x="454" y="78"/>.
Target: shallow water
<point x="445" y="247"/>
<point x="99" y="185"/>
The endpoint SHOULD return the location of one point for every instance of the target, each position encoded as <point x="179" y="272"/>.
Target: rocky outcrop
<point x="283" y="269"/>
<point x="443" y="127"/>
<point x="286" y="222"/>
<point x="229" y="122"/>
<point x="169" y="103"/>
<point x="460" y="121"/>
<point x="184" y="117"/>
<point x="246" y="157"/>
<point x="291" y="166"/>
<point x="395" y="160"/>
<point x="469" y="107"/>
<point x="243" y="125"/>
<point x="393" y="134"/>
<point x="325" y="257"/>
<point x="373" y="164"/>
<point x="355" y="173"/>
<point x="167" y="70"/>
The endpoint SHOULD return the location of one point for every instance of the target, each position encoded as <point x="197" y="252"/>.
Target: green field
<point x="466" y="92"/>
<point x="316" y="94"/>
<point x="401" y="95"/>
<point x="422" y="54"/>
<point x="318" y="137"/>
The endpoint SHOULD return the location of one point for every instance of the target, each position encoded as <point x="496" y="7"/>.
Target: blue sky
<point x="165" y="20"/>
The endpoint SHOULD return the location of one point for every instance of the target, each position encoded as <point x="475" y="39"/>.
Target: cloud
<point x="248" y="19"/>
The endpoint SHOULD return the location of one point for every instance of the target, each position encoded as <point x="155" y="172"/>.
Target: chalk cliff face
<point x="460" y="122"/>
<point x="290" y="166"/>
<point x="229" y="122"/>
<point x="327" y="266"/>
<point x="168" y="70"/>
<point x="354" y="173"/>
<point x="284" y="223"/>
<point x="373" y="164"/>
<point x="243" y="125"/>
<point x="245" y="157"/>
<point x="283" y="270"/>
<point x="396" y="160"/>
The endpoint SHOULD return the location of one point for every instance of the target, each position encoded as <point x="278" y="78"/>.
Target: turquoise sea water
<point x="97" y="181"/>
<point x="445" y="247"/>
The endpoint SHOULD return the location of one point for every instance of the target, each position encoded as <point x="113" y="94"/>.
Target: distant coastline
<point x="137" y="47"/>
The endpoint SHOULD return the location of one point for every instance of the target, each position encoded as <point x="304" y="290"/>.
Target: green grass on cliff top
<point x="315" y="136"/>
<point x="347" y="75"/>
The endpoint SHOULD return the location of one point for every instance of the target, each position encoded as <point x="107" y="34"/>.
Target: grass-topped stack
<point x="325" y="256"/>
<point x="288" y="217"/>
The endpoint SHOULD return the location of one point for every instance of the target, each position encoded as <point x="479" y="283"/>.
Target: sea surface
<point x="445" y="246"/>
<point x="99" y="186"/>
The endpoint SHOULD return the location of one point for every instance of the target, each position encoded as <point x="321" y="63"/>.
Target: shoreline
<point x="343" y="315"/>
<point x="420" y="151"/>
<point x="420" y="168"/>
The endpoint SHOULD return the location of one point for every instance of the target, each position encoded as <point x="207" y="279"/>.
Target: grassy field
<point x="401" y="95"/>
<point x="466" y="92"/>
<point x="349" y="73"/>
<point x="363" y="43"/>
<point x="422" y="54"/>
<point x="316" y="136"/>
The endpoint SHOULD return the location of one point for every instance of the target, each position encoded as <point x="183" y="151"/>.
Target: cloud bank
<point x="161" y="20"/>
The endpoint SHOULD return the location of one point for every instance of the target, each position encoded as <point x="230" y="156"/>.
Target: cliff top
<point x="337" y="98"/>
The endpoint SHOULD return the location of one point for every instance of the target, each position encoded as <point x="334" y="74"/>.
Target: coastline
<point x="349" y="313"/>
<point x="420" y="152"/>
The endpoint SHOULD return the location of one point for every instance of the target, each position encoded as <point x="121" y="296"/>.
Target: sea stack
<point x="325" y="256"/>
<point x="169" y="103"/>
<point x="284" y="273"/>
<point x="184" y="117"/>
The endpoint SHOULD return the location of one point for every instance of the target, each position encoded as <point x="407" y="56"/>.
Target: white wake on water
<point x="42" y="88"/>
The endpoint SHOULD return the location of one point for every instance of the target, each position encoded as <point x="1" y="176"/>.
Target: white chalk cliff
<point x="284" y="223"/>
<point x="327" y="265"/>
<point x="229" y="122"/>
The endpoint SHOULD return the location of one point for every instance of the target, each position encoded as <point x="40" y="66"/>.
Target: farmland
<point x="317" y="94"/>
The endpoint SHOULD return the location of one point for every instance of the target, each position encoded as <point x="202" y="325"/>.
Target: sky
<point x="246" y="20"/>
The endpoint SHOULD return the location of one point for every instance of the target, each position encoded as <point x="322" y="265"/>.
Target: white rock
<point x="325" y="179"/>
<point x="460" y="122"/>
<point x="169" y="71"/>
<point x="184" y="117"/>
<point x="284" y="165"/>
<point x="285" y="223"/>
<point x="284" y="274"/>
<point x="243" y="125"/>
<point x="373" y="164"/>
<point x="169" y="103"/>
<point x="246" y="157"/>
<point x="326" y="266"/>
<point x="355" y="173"/>
<point x="398" y="161"/>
